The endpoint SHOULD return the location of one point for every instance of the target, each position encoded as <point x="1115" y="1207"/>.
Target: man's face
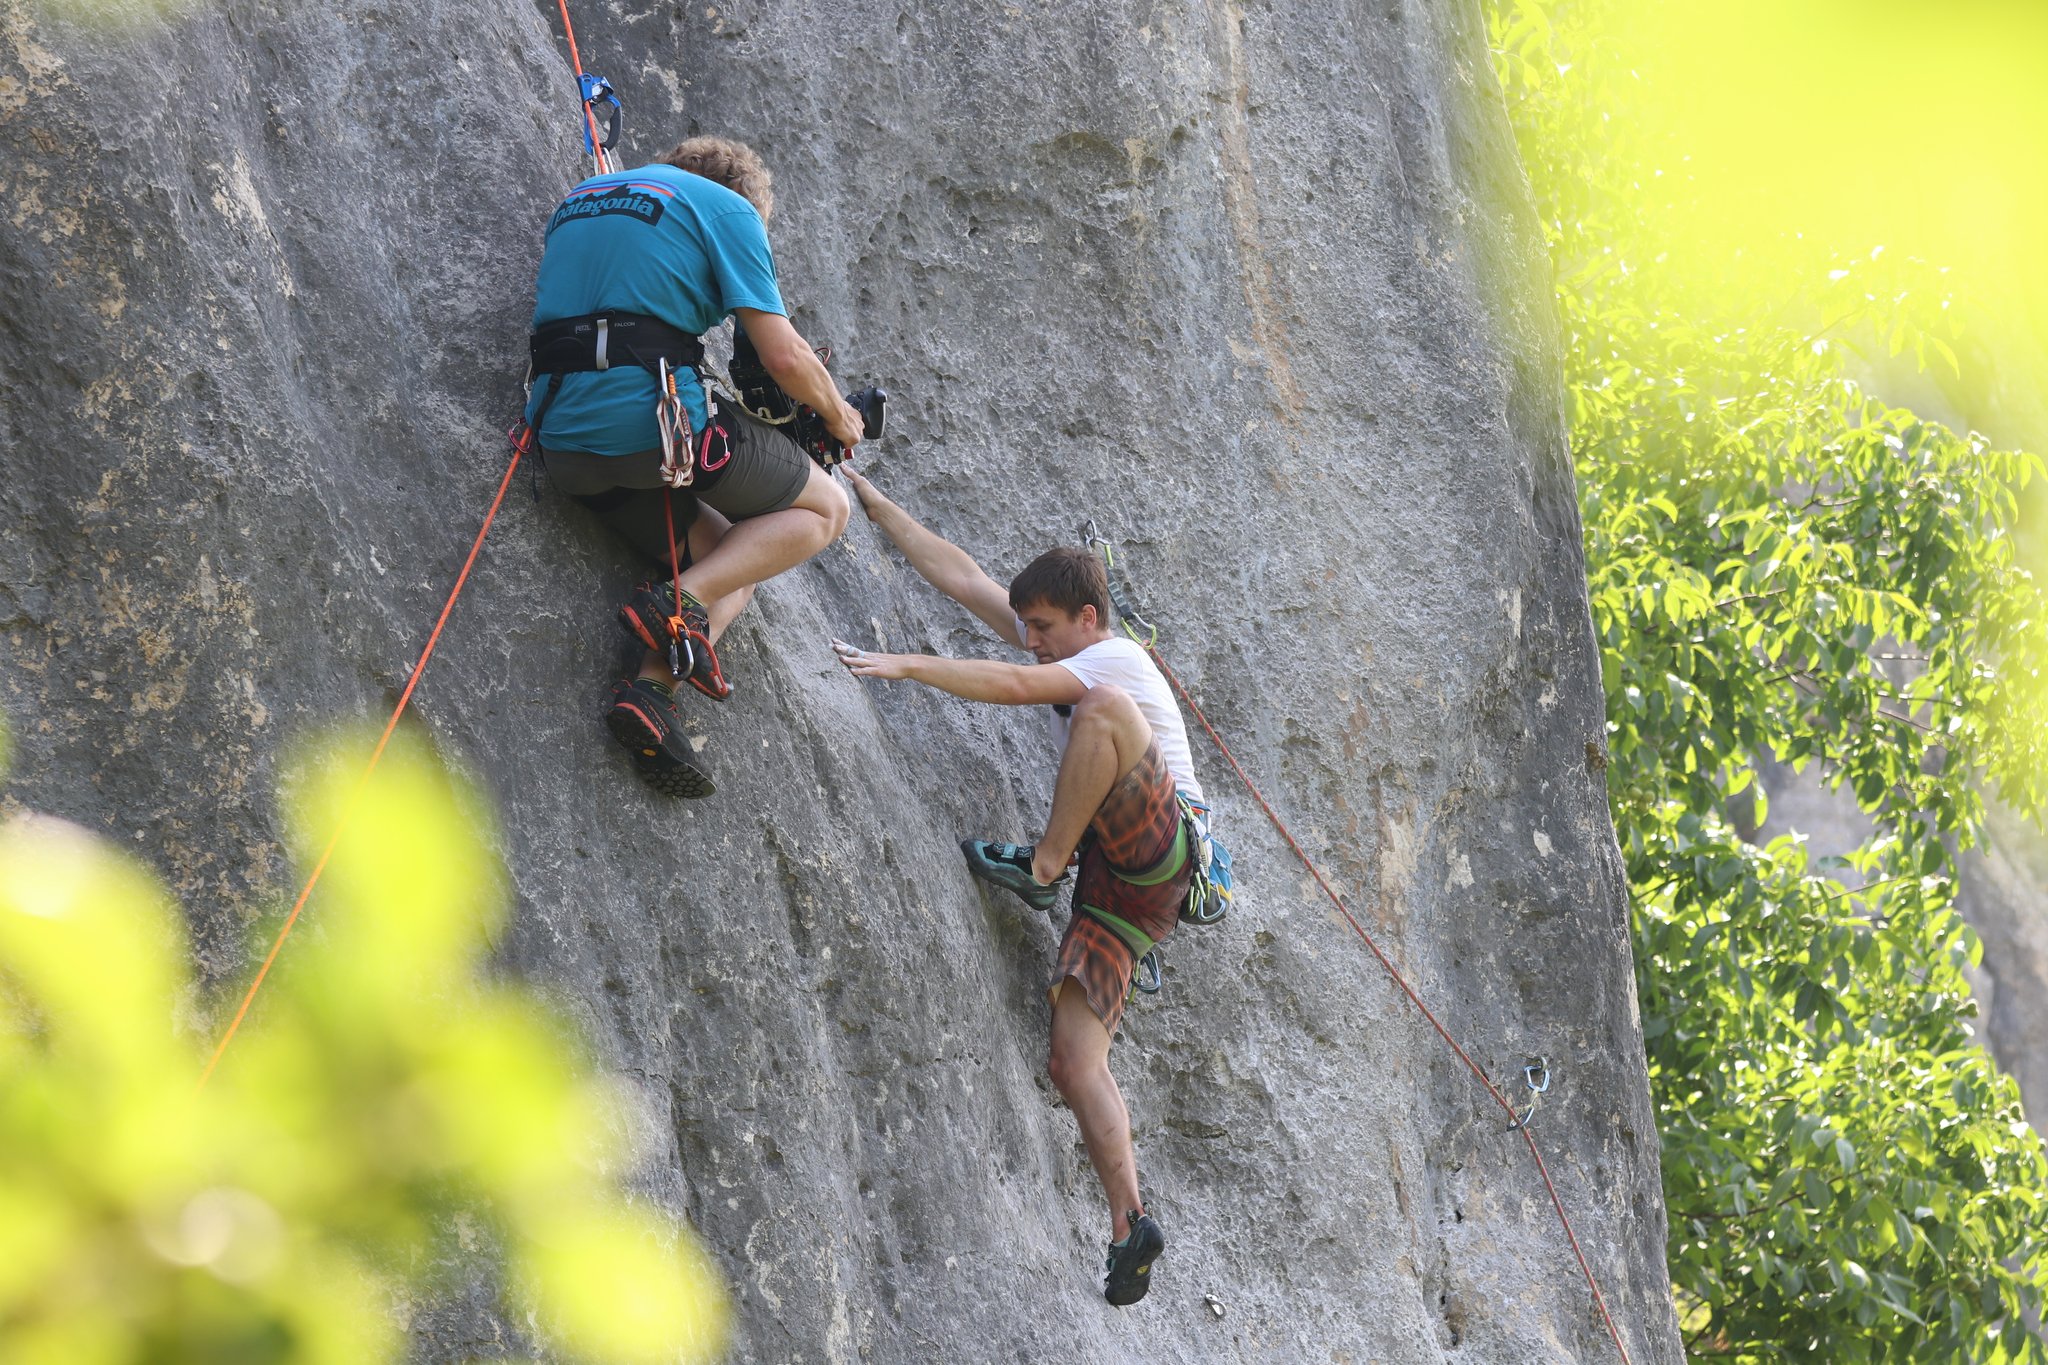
<point x="1051" y="634"/>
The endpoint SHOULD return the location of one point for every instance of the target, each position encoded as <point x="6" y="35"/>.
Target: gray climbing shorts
<point x="764" y="471"/>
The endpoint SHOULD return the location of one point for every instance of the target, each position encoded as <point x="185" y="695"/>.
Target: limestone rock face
<point x="2003" y="893"/>
<point x="1255" y="287"/>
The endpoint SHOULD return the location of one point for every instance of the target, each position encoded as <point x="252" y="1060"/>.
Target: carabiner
<point x="597" y="90"/>
<point x="1535" y="1075"/>
<point x="674" y="421"/>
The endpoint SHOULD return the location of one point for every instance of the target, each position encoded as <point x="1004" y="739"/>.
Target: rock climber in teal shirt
<point x="671" y="250"/>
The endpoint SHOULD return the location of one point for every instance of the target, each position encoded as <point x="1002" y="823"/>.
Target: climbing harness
<point x="1536" y="1073"/>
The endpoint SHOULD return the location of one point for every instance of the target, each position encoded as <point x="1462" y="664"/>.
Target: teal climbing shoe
<point x="1009" y="866"/>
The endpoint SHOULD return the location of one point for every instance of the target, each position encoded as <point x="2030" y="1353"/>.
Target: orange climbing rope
<point x="1516" y="1122"/>
<point x="522" y="444"/>
<point x="348" y="810"/>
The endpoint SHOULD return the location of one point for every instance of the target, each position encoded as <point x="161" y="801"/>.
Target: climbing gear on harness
<point x="1119" y="598"/>
<point x="597" y="90"/>
<point x="1150" y="972"/>
<point x="1130" y="1260"/>
<point x="674" y="421"/>
<point x="1212" y="889"/>
<point x="650" y="614"/>
<point x="644" y="720"/>
<point x="756" y="393"/>
<point x="1009" y="867"/>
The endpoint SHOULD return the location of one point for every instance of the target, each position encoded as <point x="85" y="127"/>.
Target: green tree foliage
<point x="389" y="1113"/>
<point x="1783" y="567"/>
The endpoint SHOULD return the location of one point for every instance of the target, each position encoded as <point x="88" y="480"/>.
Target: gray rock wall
<point x="1257" y="287"/>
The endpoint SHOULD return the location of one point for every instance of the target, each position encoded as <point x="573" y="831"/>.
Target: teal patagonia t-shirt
<point x="655" y="240"/>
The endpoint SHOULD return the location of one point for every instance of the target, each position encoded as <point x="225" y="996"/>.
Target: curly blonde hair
<point x="734" y="165"/>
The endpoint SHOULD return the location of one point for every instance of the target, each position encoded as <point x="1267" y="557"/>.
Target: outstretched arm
<point x="974" y="679"/>
<point x="943" y="564"/>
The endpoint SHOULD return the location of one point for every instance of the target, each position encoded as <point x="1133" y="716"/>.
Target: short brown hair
<point x="734" y="165"/>
<point x="1066" y="579"/>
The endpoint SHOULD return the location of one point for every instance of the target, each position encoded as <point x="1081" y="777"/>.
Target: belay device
<point x="756" y="391"/>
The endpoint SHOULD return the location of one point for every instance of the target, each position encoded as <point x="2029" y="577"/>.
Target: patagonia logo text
<point x="646" y="207"/>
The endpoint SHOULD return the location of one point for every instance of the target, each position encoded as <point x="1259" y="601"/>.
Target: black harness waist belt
<point x="603" y="341"/>
<point x="600" y="341"/>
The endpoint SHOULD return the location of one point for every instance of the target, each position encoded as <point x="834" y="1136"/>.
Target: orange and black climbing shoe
<point x="642" y="717"/>
<point x="1130" y="1261"/>
<point x="651" y="616"/>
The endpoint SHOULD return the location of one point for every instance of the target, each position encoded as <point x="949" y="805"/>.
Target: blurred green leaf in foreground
<point x="388" y="1117"/>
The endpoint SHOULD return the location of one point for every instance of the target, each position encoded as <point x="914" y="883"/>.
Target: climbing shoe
<point x="1009" y="866"/>
<point x="1130" y="1261"/>
<point x="651" y="616"/>
<point x="642" y="717"/>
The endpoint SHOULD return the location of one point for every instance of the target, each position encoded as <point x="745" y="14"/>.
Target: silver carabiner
<point x="1535" y="1075"/>
<point x="674" y="421"/>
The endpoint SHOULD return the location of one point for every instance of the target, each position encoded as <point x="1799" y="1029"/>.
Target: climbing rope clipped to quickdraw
<point x="1536" y="1074"/>
<point x="595" y="91"/>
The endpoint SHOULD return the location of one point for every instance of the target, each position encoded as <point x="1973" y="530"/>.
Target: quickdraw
<point x="674" y="421"/>
<point x="598" y="91"/>
<point x="1535" y="1075"/>
<point x="1120" y="595"/>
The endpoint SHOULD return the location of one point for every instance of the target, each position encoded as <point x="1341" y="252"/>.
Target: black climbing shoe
<point x="642" y="719"/>
<point x="1130" y="1261"/>
<point x="1009" y="866"/>
<point x="650" y="615"/>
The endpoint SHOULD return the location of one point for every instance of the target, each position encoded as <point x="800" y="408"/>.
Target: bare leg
<point x="1079" y="1067"/>
<point x="759" y="548"/>
<point x="705" y="535"/>
<point x="1108" y="737"/>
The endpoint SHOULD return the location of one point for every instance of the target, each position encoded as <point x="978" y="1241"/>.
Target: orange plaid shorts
<point x="1135" y="869"/>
